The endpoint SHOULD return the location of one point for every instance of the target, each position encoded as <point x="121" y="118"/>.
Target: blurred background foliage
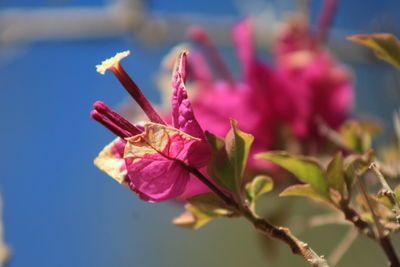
<point x="59" y="210"/>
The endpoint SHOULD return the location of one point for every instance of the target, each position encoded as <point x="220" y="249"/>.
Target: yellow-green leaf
<point x="210" y="203"/>
<point x="384" y="200"/>
<point x="304" y="190"/>
<point x="356" y="165"/>
<point x="354" y="137"/>
<point x="397" y="193"/>
<point x="260" y="185"/>
<point x="193" y="218"/>
<point x="219" y="166"/>
<point x="335" y="174"/>
<point x="385" y="45"/>
<point x="237" y="144"/>
<point x="306" y="169"/>
<point x="396" y="124"/>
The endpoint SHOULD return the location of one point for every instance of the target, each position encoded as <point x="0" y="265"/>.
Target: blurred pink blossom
<point x="306" y="85"/>
<point x="326" y="92"/>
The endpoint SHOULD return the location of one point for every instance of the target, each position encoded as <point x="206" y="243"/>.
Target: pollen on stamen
<point x="111" y="62"/>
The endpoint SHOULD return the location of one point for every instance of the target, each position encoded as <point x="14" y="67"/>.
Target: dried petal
<point x="182" y="112"/>
<point x="111" y="161"/>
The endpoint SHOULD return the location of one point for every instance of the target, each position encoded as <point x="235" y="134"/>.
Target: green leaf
<point x="210" y="203"/>
<point x="397" y="193"/>
<point x="219" y="166"/>
<point x="306" y="169"/>
<point x="304" y="190"/>
<point x="396" y="125"/>
<point x="356" y="165"/>
<point x="335" y="175"/>
<point x="260" y="185"/>
<point x="237" y="144"/>
<point x="385" y="45"/>
<point x="229" y="158"/>
<point x="201" y="209"/>
<point x="193" y="218"/>
<point x="384" y="200"/>
<point x="354" y="137"/>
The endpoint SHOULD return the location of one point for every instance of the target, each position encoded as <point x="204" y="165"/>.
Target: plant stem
<point x="383" y="238"/>
<point x="228" y="201"/>
<point x="343" y="246"/>
<point x="387" y="246"/>
<point x="387" y="190"/>
<point x="352" y="216"/>
<point x="283" y="234"/>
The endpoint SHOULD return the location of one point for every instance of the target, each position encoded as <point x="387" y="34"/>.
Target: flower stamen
<point x="130" y="86"/>
<point x="109" y="124"/>
<point x="116" y="118"/>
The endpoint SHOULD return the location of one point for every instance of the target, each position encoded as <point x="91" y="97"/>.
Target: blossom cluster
<point x="304" y="85"/>
<point x="215" y="149"/>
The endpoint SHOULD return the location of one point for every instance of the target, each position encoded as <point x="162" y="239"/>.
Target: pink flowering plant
<point x="220" y="150"/>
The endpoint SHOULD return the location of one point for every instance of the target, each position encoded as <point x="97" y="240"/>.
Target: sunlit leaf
<point x="385" y="45"/>
<point x="384" y="200"/>
<point x="229" y="158"/>
<point x="335" y="175"/>
<point x="304" y="190"/>
<point x="356" y="165"/>
<point x="397" y="193"/>
<point x="306" y="169"/>
<point x="390" y="156"/>
<point x="210" y="203"/>
<point x="219" y="167"/>
<point x="238" y="145"/>
<point x="354" y="137"/>
<point x="260" y="185"/>
<point x="193" y="218"/>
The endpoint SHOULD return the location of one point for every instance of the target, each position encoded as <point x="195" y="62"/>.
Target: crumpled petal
<point x="154" y="160"/>
<point x="111" y="161"/>
<point x="182" y="112"/>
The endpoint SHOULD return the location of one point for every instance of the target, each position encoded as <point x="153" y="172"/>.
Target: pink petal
<point x="157" y="180"/>
<point x="154" y="160"/>
<point x="182" y="113"/>
<point x="243" y="41"/>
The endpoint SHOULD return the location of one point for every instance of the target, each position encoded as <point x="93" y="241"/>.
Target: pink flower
<point x="305" y="85"/>
<point x="323" y="88"/>
<point x="153" y="159"/>
<point x="220" y="97"/>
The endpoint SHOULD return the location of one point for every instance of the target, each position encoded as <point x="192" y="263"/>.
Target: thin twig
<point x="324" y="219"/>
<point x="343" y="246"/>
<point x="383" y="239"/>
<point x="228" y="201"/>
<point x="387" y="190"/>
<point x="283" y="234"/>
<point x="352" y="216"/>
